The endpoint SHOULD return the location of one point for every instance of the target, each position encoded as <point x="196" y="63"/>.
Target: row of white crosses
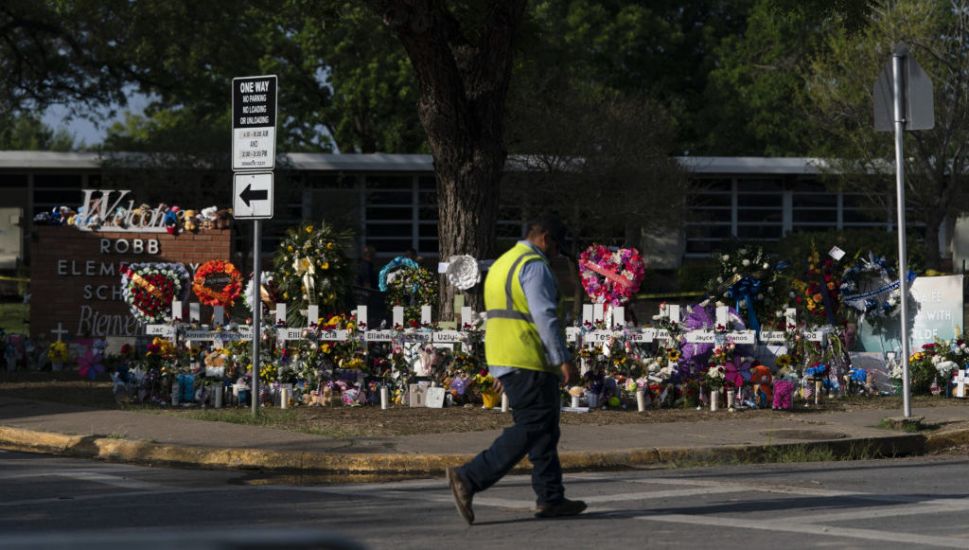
<point x="613" y="318"/>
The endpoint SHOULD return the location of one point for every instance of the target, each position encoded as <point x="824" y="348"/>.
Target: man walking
<point x="526" y="354"/>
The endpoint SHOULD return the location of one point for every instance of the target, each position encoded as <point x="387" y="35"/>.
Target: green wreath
<point x="311" y="268"/>
<point x="412" y="288"/>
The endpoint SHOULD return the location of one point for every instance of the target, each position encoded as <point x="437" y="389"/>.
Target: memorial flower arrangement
<point x="58" y="352"/>
<point x="746" y="277"/>
<point x="150" y="288"/>
<point x="217" y="283"/>
<point x="922" y="371"/>
<point x="269" y="293"/>
<point x="311" y="267"/>
<point x="411" y="287"/>
<point x="611" y="277"/>
<point x="817" y="295"/>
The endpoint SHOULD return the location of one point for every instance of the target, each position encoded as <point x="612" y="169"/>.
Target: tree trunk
<point x="463" y="87"/>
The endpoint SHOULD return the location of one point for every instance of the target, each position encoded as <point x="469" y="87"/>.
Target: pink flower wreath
<point x="611" y="277"/>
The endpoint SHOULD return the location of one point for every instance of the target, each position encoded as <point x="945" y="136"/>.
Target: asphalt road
<point x="900" y="503"/>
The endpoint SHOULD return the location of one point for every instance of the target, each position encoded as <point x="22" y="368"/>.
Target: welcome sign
<point x="76" y="275"/>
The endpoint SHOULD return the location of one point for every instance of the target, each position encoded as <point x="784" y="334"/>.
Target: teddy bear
<point x="223" y="219"/>
<point x="207" y="217"/>
<point x="190" y="221"/>
<point x="141" y="215"/>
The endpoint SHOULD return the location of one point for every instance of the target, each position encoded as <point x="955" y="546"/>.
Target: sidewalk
<point x="156" y="438"/>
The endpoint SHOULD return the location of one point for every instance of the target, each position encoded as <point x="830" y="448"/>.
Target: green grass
<point x="12" y="317"/>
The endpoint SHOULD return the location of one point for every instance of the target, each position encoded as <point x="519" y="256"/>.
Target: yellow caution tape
<point x="17" y="279"/>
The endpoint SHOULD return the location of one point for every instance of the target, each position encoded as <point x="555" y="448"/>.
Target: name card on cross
<point x="743" y="337"/>
<point x="772" y="337"/>
<point x="448" y="337"/>
<point x="165" y="331"/>
<point x="814" y="335"/>
<point x="644" y="335"/>
<point x="415" y="337"/>
<point x="289" y="334"/>
<point x="379" y="336"/>
<point x="599" y="336"/>
<point x="333" y="335"/>
<point x="701" y="337"/>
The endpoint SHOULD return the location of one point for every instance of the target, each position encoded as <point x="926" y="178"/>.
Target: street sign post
<point x="254" y="102"/>
<point x="912" y="108"/>
<point x="252" y="196"/>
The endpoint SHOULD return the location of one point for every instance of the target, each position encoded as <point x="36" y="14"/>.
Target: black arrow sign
<point x="249" y="195"/>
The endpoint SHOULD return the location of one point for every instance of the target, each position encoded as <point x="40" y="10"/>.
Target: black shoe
<point x="560" y="509"/>
<point x="462" y="495"/>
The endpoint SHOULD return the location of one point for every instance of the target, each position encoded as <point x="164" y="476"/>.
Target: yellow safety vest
<point x="511" y="338"/>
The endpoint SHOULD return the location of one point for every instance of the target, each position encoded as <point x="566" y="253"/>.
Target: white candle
<point x="714" y="400"/>
<point x="641" y="401"/>
<point x="575" y="402"/>
<point x="217" y="390"/>
<point x="384" y="397"/>
<point x="504" y="402"/>
<point x="283" y="398"/>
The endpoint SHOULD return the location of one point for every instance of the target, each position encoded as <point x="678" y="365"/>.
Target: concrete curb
<point x="147" y="452"/>
<point x="945" y="439"/>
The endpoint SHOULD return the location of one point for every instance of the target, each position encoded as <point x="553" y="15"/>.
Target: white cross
<point x="60" y="331"/>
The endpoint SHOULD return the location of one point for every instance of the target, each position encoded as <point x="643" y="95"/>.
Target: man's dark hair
<point x="551" y="224"/>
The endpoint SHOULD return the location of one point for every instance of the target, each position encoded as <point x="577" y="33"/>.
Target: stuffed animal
<point x="190" y="221"/>
<point x="783" y="395"/>
<point x="141" y="216"/>
<point x="118" y="218"/>
<point x="223" y="219"/>
<point x="760" y="377"/>
<point x="207" y="216"/>
<point x="171" y="220"/>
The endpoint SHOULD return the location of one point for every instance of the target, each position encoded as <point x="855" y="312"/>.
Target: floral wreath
<point x="311" y="267"/>
<point x="871" y="287"/>
<point x="412" y="287"/>
<point x="389" y="272"/>
<point x="211" y="297"/>
<point x="747" y="277"/>
<point x="611" y="277"/>
<point x="150" y="288"/>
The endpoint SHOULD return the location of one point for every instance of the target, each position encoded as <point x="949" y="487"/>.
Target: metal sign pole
<point x="256" y="310"/>
<point x="898" y="64"/>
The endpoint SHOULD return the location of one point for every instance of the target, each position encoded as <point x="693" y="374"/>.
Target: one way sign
<point x="252" y="196"/>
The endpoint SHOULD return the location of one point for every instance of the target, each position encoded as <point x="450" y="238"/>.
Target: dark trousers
<point x="536" y="401"/>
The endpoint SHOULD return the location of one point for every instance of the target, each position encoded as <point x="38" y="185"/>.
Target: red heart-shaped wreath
<point x="150" y="289"/>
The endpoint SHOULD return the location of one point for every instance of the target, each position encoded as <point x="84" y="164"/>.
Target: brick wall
<point x="67" y="285"/>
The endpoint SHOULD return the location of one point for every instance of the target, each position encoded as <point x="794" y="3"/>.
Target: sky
<point x="86" y="131"/>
